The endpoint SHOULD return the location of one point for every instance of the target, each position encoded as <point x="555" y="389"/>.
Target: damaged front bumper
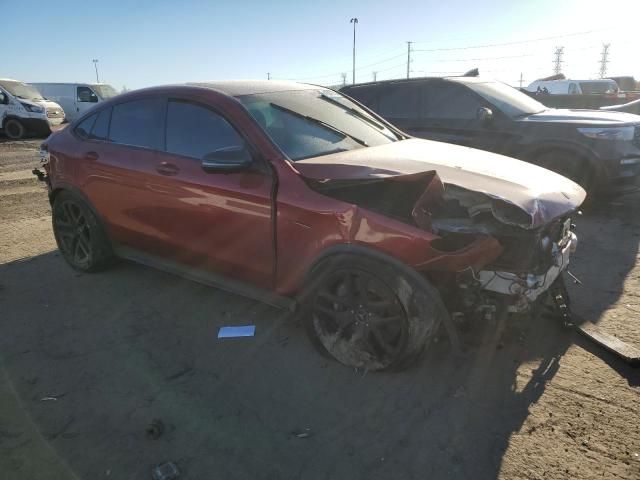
<point x="525" y="288"/>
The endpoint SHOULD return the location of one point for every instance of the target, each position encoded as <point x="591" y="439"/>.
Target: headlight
<point x="32" y="108"/>
<point x="608" y="133"/>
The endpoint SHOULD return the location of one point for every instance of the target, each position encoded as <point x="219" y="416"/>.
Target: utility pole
<point x="557" y="63"/>
<point x="408" y="57"/>
<point x="268" y="76"/>
<point x="375" y="76"/>
<point x="344" y="78"/>
<point x="520" y="79"/>
<point x="354" y="21"/>
<point x="95" y="64"/>
<point x="604" y="59"/>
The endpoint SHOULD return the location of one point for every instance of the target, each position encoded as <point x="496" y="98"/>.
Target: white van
<point x="76" y="98"/>
<point x="574" y="87"/>
<point x="24" y="110"/>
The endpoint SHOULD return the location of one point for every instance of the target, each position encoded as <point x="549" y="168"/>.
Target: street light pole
<point x="354" y="21"/>
<point x="95" y="64"/>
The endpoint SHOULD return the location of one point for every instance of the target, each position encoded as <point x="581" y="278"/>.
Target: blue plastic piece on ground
<point x="232" y="332"/>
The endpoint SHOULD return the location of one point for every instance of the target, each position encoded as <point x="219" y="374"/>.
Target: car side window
<point x="85" y="94"/>
<point x="573" y="89"/>
<point x="138" y="123"/>
<point x="85" y="126"/>
<point x="399" y="101"/>
<point x="449" y="101"/>
<point x="100" y="130"/>
<point x="195" y="131"/>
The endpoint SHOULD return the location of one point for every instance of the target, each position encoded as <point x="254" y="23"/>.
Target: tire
<point x="80" y="237"/>
<point x="370" y="314"/>
<point x="14" y="129"/>
<point x="568" y="165"/>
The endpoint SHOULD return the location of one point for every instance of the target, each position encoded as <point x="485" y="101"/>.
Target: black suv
<point x="598" y="149"/>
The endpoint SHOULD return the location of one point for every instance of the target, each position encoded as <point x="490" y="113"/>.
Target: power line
<point x="519" y="42"/>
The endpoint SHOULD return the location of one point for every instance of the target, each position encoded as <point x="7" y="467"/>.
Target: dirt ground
<point x="88" y="361"/>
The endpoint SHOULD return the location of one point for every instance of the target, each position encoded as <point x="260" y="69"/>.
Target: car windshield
<point x="22" y="90"/>
<point x="589" y="88"/>
<point x="105" y="91"/>
<point x="313" y="122"/>
<point x="507" y="99"/>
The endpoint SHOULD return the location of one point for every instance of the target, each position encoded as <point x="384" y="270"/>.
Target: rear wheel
<point x="79" y="235"/>
<point x="14" y="129"/>
<point x="568" y="165"/>
<point x="366" y="313"/>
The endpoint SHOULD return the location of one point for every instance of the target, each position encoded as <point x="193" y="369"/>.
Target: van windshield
<point x="22" y="90"/>
<point x="313" y="122"/>
<point x="509" y="100"/>
<point x="105" y="91"/>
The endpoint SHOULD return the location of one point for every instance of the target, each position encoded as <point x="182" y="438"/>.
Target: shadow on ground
<point x="92" y="359"/>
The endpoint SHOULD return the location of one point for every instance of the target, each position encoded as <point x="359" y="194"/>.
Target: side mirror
<point x="3" y="99"/>
<point x="227" y="160"/>
<point x="484" y="114"/>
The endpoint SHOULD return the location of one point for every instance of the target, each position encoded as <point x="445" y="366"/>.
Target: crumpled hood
<point x="583" y="117"/>
<point x="542" y="194"/>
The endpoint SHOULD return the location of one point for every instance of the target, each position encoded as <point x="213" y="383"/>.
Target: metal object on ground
<point x="629" y="353"/>
<point x="165" y="471"/>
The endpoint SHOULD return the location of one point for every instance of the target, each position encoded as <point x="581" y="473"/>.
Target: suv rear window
<point x="139" y="123"/>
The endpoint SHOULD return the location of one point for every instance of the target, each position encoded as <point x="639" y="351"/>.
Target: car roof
<point x="236" y="88"/>
<point x="458" y="79"/>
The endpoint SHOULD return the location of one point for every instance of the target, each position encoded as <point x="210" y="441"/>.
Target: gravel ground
<point x="88" y="361"/>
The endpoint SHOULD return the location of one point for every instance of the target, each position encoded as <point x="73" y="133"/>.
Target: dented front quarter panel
<point x="310" y="223"/>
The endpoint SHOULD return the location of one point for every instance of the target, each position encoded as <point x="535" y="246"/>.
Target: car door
<point x="220" y="222"/>
<point x="85" y="99"/>
<point x="118" y="158"/>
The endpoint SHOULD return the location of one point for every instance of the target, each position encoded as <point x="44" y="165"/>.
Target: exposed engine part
<point x="526" y="287"/>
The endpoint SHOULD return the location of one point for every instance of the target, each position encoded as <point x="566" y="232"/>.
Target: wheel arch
<point x="574" y="149"/>
<point x="65" y="187"/>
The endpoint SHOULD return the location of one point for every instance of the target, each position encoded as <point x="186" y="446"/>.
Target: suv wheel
<point x="79" y="235"/>
<point x="370" y="314"/>
<point x="14" y="129"/>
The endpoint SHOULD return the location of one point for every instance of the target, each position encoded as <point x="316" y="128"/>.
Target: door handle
<point x="166" y="168"/>
<point x="91" y="156"/>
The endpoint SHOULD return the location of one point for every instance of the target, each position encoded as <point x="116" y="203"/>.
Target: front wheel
<point x="14" y="129"/>
<point x="79" y="235"/>
<point x="370" y="314"/>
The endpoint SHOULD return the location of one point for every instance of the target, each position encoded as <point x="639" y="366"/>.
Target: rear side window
<point x="400" y="101"/>
<point x="100" y="130"/>
<point x="84" y="127"/>
<point x="449" y="101"/>
<point x="194" y="131"/>
<point x="139" y="123"/>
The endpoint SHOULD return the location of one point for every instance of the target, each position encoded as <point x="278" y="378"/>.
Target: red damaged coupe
<point x="298" y="196"/>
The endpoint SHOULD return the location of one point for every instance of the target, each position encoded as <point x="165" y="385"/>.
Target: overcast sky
<point x="155" y="42"/>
